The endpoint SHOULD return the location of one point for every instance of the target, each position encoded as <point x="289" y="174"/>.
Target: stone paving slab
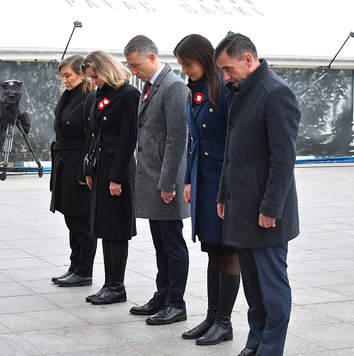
<point x="40" y="318"/>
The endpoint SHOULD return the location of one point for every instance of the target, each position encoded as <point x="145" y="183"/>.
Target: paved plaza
<point x="38" y="317"/>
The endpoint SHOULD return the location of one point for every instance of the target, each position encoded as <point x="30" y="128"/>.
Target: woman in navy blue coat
<point x="207" y="123"/>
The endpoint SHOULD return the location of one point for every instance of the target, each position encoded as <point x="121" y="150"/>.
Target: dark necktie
<point x="147" y="89"/>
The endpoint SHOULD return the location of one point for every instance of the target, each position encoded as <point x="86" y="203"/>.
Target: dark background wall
<point x="325" y="96"/>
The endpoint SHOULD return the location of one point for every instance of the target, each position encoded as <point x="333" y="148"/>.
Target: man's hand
<point x="266" y="221"/>
<point x="167" y="196"/>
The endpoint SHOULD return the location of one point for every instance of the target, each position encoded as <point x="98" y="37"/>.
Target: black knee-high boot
<point x="213" y="300"/>
<point x="222" y="327"/>
<point x="116" y="291"/>
<point x="107" y="261"/>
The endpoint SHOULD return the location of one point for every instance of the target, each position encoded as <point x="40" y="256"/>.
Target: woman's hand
<point x="220" y="210"/>
<point x="89" y="182"/>
<point x="115" y="189"/>
<point x="187" y="193"/>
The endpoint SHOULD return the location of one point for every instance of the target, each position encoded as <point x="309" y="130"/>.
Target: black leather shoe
<point x="74" y="281"/>
<point x="115" y="293"/>
<point x="167" y="315"/>
<point x="98" y="294"/>
<point x="247" y="352"/>
<point x="199" y="330"/>
<point x="66" y="274"/>
<point x="150" y="308"/>
<point x="216" y="334"/>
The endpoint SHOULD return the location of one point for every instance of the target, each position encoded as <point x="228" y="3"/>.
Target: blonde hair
<point x="106" y="67"/>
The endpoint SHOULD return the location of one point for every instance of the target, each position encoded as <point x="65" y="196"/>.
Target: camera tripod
<point x="6" y="144"/>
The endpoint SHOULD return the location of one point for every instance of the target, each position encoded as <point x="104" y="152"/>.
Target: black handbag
<point x="90" y="161"/>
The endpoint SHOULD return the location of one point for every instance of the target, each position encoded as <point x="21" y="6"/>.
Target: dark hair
<point x="198" y="48"/>
<point x="236" y="45"/>
<point x="74" y="62"/>
<point x="142" y="45"/>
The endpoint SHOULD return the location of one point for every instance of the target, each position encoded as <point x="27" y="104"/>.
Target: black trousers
<point x="172" y="261"/>
<point x="82" y="243"/>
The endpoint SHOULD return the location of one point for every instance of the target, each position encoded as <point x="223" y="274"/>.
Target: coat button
<point x="227" y="161"/>
<point x="139" y="149"/>
<point x="104" y="118"/>
<point x="228" y="196"/>
<point x="206" y="154"/>
<point x="204" y="126"/>
<point x="211" y="110"/>
<point x="140" y="125"/>
<point x="93" y="135"/>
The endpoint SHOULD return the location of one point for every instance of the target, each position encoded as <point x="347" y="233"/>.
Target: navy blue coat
<point x="206" y="141"/>
<point x="258" y="171"/>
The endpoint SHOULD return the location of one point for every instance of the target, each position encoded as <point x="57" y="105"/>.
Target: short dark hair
<point x="142" y="45"/>
<point x="236" y="45"/>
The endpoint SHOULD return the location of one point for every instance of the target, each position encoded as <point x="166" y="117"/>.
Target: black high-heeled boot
<point x="221" y="330"/>
<point x="213" y="297"/>
<point x="116" y="292"/>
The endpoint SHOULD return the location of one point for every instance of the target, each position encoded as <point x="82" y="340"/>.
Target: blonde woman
<point x="112" y="135"/>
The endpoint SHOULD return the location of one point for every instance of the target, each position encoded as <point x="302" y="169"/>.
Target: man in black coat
<point x="257" y="194"/>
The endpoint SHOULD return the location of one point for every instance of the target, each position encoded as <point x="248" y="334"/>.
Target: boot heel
<point x="182" y="318"/>
<point x="229" y="337"/>
<point x="122" y="299"/>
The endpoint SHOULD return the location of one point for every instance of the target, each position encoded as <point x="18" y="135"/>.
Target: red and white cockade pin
<point x="103" y="103"/>
<point x="198" y="98"/>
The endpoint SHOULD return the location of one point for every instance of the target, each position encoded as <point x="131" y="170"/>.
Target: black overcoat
<point x="112" y="217"/>
<point x="68" y="195"/>
<point x="260" y="153"/>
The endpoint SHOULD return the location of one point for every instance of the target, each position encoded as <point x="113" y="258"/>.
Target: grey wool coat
<point x="260" y="152"/>
<point x="161" y="149"/>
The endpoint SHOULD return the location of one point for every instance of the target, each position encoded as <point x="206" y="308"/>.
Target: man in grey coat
<point x="257" y="194"/>
<point x="162" y="137"/>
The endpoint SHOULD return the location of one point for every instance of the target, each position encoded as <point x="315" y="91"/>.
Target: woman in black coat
<point x="70" y="194"/>
<point x="113" y="122"/>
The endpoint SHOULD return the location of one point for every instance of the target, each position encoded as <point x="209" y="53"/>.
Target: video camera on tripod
<point x="10" y="116"/>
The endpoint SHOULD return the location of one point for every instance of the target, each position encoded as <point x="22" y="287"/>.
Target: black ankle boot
<point x="115" y="293"/>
